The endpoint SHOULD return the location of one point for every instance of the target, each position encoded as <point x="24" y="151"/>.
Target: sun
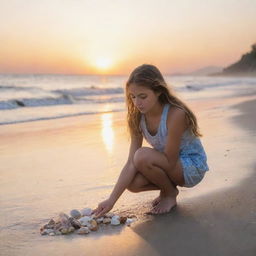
<point x="103" y="64"/>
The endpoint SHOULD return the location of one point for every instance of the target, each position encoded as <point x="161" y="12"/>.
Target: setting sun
<point x="103" y="64"/>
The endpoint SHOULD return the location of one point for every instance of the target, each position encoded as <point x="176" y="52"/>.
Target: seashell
<point x="109" y="215"/>
<point x="85" y="220"/>
<point x="106" y="220"/>
<point x="49" y="225"/>
<point x="83" y="230"/>
<point x="48" y="231"/>
<point x="64" y="231"/>
<point x="44" y="232"/>
<point x="63" y="215"/>
<point x="63" y="219"/>
<point x="93" y="225"/>
<point x="51" y="222"/>
<point x="58" y="225"/>
<point x="99" y="220"/>
<point x="75" y="214"/>
<point x="115" y="220"/>
<point x="86" y="212"/>
<point x="123" y="219"/>
<point x="71" y="229"/>
<point x="75" y="223"/>
<point x="52" y="234"/>
<point x="129" y="221"/>
<point x="46" y="226"/>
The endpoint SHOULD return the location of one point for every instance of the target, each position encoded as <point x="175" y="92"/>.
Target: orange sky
<point x="114" y="36"/>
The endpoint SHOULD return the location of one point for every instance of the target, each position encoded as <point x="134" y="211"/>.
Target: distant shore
<point x="252" y="74"/>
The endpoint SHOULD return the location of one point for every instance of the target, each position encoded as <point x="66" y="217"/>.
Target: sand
<point x="57" y="165"/>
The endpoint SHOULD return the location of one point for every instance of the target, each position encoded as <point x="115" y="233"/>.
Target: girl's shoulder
<point x="176" y="115"/>
<point x="176" y="112"/>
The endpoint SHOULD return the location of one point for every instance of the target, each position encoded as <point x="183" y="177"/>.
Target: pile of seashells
<point x="82" y="222"/>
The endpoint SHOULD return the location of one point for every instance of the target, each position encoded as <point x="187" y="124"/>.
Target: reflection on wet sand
<point x="107" y="132"/>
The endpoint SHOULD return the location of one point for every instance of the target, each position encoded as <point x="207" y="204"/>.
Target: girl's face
<point x="144" y="99"/>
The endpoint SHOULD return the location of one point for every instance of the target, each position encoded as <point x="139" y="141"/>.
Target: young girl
<point x="169" y="126"/>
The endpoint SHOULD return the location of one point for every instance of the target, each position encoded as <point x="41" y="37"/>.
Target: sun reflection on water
<point x="107" y="132"/>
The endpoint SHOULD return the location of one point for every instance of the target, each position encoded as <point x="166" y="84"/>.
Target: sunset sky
<point x="114" y="36"/>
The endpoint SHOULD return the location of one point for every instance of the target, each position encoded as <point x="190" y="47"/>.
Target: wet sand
<point x="57" y="165"/>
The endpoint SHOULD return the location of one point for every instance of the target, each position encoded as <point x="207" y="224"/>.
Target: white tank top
<point x="158" y="140"/>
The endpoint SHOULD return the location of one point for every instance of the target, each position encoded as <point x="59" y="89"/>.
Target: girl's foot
<point x="164" y="205"/>
<point x="158" y="199"/>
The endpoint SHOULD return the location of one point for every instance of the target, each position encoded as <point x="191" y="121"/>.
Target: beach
<point x="57" y="165"/>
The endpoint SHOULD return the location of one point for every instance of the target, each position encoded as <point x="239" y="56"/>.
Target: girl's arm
<point x="176" y="127"/>
<point x="126" y="176"/>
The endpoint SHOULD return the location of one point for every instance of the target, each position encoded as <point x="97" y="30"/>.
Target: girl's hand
<point x="103" y="208"/>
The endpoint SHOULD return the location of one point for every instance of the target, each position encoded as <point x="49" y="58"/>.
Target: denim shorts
<point x="192" y="174"/>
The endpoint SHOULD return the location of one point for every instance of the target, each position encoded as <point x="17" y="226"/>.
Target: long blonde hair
<point x="149" y="76"/>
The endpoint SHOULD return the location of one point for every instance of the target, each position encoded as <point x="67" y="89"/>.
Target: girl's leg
<point x="153" y="165"/>
<point x="141" y="183"/>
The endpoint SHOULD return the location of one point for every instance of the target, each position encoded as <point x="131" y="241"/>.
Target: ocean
<point x="33" y="97"/>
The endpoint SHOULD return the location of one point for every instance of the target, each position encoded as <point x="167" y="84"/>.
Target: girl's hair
<point x="149" y="76"/>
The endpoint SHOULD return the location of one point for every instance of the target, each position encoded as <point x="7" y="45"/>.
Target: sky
<point x="115" y="36"/>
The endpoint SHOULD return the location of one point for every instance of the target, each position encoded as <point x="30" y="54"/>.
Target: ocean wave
<point x="34" y="102"/>
<point x="17" y="88"/>
<point x="58" y="116"/>
<point x="201" y="85"/>
<point x="76" y="92"/>
<point x="61" y="100"/>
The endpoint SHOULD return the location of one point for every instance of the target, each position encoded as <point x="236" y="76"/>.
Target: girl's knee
<point x="142" y="158"/>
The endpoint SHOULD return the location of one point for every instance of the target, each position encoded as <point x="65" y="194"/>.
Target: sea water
<point x="40" y="97"/>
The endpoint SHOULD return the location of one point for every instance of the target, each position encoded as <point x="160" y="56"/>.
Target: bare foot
<point x="165" y="205"/>
<point x="158" y="199"/>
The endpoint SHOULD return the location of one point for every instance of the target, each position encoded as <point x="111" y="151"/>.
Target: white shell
<point x="129" y="221"/>
<point x="86" y="212"/>
<point x="115" y="220"/>
<point x="99" y="220"/>
<point x="85" y="220"/>
<point x="83" y="230"/>
<point x="106" y="220"/>
<point x="48" y="231"/>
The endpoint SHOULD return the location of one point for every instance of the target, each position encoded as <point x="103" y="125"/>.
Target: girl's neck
<point x="155" y="111"/>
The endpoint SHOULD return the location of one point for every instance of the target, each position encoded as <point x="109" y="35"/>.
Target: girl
<point x="169" y="126"/>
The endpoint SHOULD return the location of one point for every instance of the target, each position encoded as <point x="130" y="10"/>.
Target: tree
<point x="254" y="47"/>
